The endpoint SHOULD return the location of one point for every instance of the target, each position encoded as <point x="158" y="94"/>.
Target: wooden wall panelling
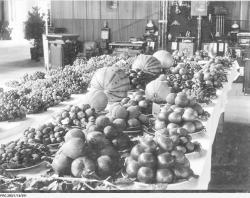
<point x="80" y="9"/>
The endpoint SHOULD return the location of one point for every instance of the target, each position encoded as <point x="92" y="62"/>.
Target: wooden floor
<point x="231" y="148"/>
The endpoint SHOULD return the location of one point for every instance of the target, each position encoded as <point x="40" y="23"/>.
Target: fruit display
<point x="139" y="79"/>
<point x="45" y="134"/>
<point x="88" y="156"/>
<point x="10" y="107"/>
<point x="113" y="81"/>
<point x="165" y="58"/>
<point x="208" y="80"/>
<point x="105" y="128"/>
<point x="182" y="141"/>
<point x="157" y="162"/>
<point x="157" y="90"/>
<point x="181" y="111"/>
<point x="77" y="116"/>
<point x="138" y="98"/>
<point x="19" y="154"/>
<point x="147" y="63"/>
<point x="180" y="77"/>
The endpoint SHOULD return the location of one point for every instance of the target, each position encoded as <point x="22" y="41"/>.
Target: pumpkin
<point x="97" y="100"/>
<point x="157" y="91"/>
<point x="165" y="58"/>
<point x="147" y="63"/>
<point x="113" y="81"/>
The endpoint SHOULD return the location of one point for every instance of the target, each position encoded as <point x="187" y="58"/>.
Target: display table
<point x="200" y="162"/>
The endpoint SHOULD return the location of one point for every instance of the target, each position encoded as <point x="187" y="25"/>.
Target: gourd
<point x="157" y="91"/>
<point x="97" y="99"/>
<point x="113" y="81"/>
<point x="165" y="58"/>
<point x="147" y="63"/>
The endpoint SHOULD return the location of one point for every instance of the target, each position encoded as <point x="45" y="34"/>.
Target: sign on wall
<point x="198" y="8"/>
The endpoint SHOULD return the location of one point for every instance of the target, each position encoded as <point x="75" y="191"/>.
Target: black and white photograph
<point x="125" y="96"/>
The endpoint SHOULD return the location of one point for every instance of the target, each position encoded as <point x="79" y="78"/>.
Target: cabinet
<point x="246" y="85"/>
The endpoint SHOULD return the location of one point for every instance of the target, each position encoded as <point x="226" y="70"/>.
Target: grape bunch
<point x="18" y="154"/>
<point x="139" y="79"/>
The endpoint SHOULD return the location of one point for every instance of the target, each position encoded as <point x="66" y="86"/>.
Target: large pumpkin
<point x="97" y="99"/>
<point x="147" y="63"/>
<point x="157" y="91"/>
<point x="113" y="81"/>
<point x="165" y="58"/>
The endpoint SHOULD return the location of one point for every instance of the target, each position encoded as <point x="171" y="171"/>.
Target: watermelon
<point x="147" y="63"/>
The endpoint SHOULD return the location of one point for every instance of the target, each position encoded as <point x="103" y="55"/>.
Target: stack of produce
<point x="45" y="134"/>
<point x="88" y="156"/>
<point x="138" y="98"/>
<point x="158" y="161"/>
<point x="181" y="139"/>
<point x="129" y="113"/>
<point x="10" y="106"/>
<point x="77" y="116"/>
<point x="180" y="111"/>
<point x="18" y="154"/>
<point x="112" y="130"/>
<point x="180" y="76"/>
<point x="208" y="80"/>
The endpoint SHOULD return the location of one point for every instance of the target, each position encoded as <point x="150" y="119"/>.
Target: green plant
<point x="34" y="28"/>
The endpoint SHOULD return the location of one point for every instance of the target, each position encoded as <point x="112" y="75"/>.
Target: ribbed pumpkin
<point x="147" y="63"/>
<point x="113" y="81"/>
<point x="165" y="58"/>
<point x="157" y="91"/>
<point x="97" y="99"/>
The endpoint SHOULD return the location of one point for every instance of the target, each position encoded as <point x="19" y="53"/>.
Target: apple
<point x="165" y="143"/>
<point x="182" y="172"/>
<point x="164" y="176"/>
<point x="132" y="168"/>
<point x="179" y="156"/>
<point x="165" y="160"/>
<point x="82" y="167"/>
<point x="148" y="144"/>
<point x="189" y="114"/>
<point x="147" y="160"/>
<point x="146" y="175"/>
<point x="136" y="151"/>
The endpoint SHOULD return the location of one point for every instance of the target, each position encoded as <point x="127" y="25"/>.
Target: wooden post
<point x="199" y="18"/>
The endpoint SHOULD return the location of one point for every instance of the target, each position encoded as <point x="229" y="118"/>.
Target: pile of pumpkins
<point x="180" y="110"/>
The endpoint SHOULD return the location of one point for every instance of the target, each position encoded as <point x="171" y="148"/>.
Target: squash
<point x="147" y="63"/>
<point x="97" y="100"/>
<point x="165" y="58"/>
<point x="113" y="81"/>
<point x="157" y="91"/>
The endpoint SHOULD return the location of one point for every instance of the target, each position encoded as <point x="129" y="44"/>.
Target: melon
<point x="165" y="58"/>
<point x="147" y="63"/>
<point x="157" y="91"/>
<point x="113" y="81"/>
<point x="97" y="100"/>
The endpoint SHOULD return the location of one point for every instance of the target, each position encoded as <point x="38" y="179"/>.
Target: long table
<point x="200" y="162"/>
